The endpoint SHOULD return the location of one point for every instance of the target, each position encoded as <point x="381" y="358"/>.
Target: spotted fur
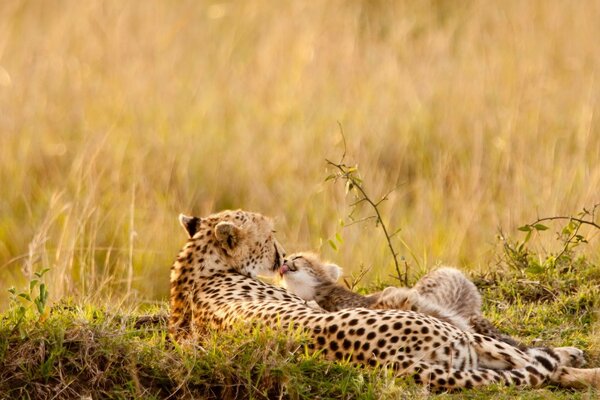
<point x="444" y="293"/>
<point x="213" y="284"/>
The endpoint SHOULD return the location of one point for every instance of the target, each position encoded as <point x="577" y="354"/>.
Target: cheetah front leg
<point x="577" y="378"/>
<point x="497" y="355"/>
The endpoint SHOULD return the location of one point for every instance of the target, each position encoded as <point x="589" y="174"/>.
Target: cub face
<point x="303" y="273"/>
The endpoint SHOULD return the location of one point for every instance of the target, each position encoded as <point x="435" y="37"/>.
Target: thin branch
<point x="385" y="196"/>
<point x="568" y="242"/>
<point x="381" y="201"/>
<point x="344" y="140"/>
<point x="357" y="202"/>
<point x="357" y="221"/>
<point x="397" y="231"/>
<point x="581" y="221"/>
<point x="348" y="176"/>
<point x="355" y="279"/>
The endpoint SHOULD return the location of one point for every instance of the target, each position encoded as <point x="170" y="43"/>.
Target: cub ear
<point x="228" y="234"/>
<point x="334" y="271"/>
<point x="190" y="224"/>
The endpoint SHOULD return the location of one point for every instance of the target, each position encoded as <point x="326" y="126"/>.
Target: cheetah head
<point x="231" y="240"/>
<point x="303" y="273"/>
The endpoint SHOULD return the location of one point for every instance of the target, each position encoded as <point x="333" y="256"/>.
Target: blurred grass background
<point x="117" y="115"/>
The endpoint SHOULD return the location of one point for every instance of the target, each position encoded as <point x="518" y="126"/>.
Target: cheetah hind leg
<point x="567" y="356"/>
<point x="440" y="377"/>
<point x="497" y="355"/>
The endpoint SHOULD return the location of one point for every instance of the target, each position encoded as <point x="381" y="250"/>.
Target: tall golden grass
<point x="116" y="116"/>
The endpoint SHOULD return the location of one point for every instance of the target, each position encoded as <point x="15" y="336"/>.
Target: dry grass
<point x="116" y="116"/>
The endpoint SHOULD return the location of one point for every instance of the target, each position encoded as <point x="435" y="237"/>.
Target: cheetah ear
<point x="228" y="234"/>
<point x="334" y="271"/>
<point x="190" y="224"/>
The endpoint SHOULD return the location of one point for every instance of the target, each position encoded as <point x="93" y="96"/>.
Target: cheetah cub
<point x="445" y="294"/>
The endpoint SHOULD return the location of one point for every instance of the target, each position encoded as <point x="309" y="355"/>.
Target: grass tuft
<point x="84" y="350"/>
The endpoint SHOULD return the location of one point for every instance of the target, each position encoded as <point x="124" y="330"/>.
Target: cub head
<point x="303" y="273"/>
<point x="239" y="240"/>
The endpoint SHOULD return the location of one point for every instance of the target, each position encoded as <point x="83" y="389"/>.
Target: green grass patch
<point x="80" y="350"/>
<point x="73" y="349"/>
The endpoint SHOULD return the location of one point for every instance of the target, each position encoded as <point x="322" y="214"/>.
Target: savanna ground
<point x="116" y="116"/>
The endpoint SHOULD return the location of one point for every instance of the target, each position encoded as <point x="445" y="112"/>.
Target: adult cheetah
<point x="213" y="283"/>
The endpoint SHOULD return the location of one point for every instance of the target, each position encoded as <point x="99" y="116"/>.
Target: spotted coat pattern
<point x="213" y="283"/>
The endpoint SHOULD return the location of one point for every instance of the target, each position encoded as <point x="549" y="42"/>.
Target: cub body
<point x="445" y="293"/>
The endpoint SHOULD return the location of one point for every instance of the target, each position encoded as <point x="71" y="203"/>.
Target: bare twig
<point x="358" y="221"/>
<point x="344" y="140"/>
<point x="355" y="279"/>
<point x="579" y="220"/>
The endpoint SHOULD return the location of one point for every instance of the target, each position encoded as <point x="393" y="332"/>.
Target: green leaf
<point x="39" y="305"/>
<point x="332" y="244"/>
<point x="24" y="296"/>
<point x="330" y="177"/>
<point x="32" y="284"/>
<point x="580" y="239"/>
<point x="540" y="227"/>
<point x="535" y="269"/>
<point x="338" y="237"/>
<point x="43" y="292"/>
<point x="12" y="290"/>
<point x="527" y="237"/>
<point x="570" y="227"/>
<point x="525" y="228"/>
